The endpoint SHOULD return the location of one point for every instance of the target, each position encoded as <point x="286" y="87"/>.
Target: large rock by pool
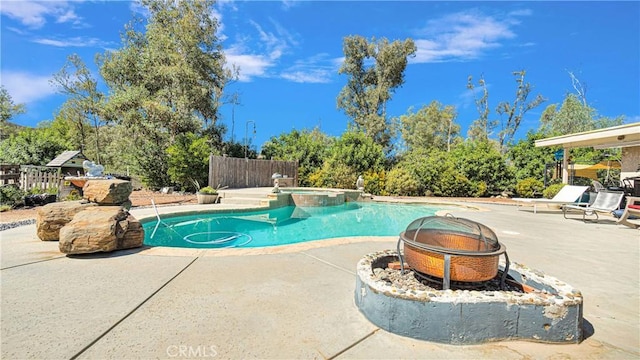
<point x="52" y="217"/>
<point x="101" y="229"/>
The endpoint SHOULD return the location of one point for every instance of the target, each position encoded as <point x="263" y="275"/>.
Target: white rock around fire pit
<point x="544" y="309"/>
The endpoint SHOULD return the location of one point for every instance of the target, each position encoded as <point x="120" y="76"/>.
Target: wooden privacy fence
<point x="241" y="173"/>
<point x="28" y="177"/>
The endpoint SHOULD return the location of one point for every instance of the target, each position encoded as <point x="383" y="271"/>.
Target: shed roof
<point x="63" y="158"/>
<point x="617" y="136"/>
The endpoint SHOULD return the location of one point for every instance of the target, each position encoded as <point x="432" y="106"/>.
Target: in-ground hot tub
<point x="309" y="197"/>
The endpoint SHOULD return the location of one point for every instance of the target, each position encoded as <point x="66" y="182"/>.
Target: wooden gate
<point x="40" y="177"/>
<point x="242" y="173"/>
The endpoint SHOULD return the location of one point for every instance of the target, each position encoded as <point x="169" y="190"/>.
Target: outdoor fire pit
<point x="454" y="289"/>
<point x="452" y="249"/>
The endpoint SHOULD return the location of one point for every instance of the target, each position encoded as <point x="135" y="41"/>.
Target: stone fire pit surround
<point x="550" y="313"/>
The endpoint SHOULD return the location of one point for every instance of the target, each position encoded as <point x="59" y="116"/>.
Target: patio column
<point x="565" y="166"/>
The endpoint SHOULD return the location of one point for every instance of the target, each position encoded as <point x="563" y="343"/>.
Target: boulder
<point x="107" y="191"/>
<point x="52" y="217"/>
<point x="101" y="229"/>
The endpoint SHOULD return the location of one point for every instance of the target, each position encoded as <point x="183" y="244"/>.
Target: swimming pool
<point x="281" y="226"/>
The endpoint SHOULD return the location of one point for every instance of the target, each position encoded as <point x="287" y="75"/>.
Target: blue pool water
<point x="282" y="226"/>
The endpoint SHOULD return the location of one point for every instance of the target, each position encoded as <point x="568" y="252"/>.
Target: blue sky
<point x="289" y="53"/>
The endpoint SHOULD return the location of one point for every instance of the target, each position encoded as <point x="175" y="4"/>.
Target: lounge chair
<point x="605" y="202"/>
<point x="569" y="194"/>
<point x="632" y="209"/>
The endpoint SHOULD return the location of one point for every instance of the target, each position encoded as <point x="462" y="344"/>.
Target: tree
<point x="370" y="87"/>
<point x="572" y="117"/>
<point x="31" y="147"/>
<point x="118" y="150"/>
<point x="168" y="80"/>
<point x="579" y="87"/>
<point x="8" y="109"/>
<point x="84" y="102"/>
<point x="432" y="126"/>
<point x="511" y="113"/>
<point x="529" y="161"/>
<point x="236" y="149"/>
<point x="66" y="131"/>
<point x="482" y="127"/>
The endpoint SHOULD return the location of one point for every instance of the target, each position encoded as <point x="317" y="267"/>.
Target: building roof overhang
<point x="617" y="136"/>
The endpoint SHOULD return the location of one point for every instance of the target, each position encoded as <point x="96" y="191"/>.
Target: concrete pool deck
<point x="293" y="301"/>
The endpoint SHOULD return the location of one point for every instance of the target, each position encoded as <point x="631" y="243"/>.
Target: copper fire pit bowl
<point x="454" y="249"/>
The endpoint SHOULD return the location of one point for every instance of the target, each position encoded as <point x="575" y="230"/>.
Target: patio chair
<point x="605" y="202"/>
<point x="569" y="194"/>
<point x="597" y="186"/>
<point x="631" y="211"/>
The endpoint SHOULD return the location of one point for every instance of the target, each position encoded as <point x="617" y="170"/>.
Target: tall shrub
<point x="309" y="148"/>
<point x="189" y="160"/>
<point x="481" y="161"/>
<point x="351" y="155"/>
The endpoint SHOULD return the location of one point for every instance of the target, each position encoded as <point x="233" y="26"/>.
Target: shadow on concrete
<point x="587" y="329"/>
<point x="594" y="221"/>
<point x="103" y="255"/>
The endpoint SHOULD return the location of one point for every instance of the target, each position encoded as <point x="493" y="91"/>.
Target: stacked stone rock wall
<point x="99" y="223"/>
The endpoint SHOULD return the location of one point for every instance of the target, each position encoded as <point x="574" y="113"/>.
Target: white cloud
<point x="313" y="76"/>
<point x="467" y="98"/>
<point x="463" y="36"/>
<point x="521" y="12"/>
<point x="288" y="4"/>
<point x="137" y="8"/>
<point x="17" y="31"/>
<point x="275" y="44"/>
<point x="69" y="16"/>
<point x="255" y="53"/>
<point x="250" y="66"/>
<point x="316" y="69"/>
<point x="27" y="88"/>
<point x="228" y="4"/>
<point x="34" y="14"/>
<point x="72" y="42"/>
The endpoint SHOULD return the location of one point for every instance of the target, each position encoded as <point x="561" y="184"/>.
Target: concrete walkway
<point x="290" y="302"/>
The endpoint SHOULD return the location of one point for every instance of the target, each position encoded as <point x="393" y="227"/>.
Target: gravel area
<point x="410" y="281"/>
<point x="11" y="225"/>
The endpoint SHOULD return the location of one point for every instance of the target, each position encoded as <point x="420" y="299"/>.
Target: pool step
<point x="257" y="201"/>
<point x="257" y="197"/>
<point x="244" y="193"/>
<point x="253" y="196"/>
